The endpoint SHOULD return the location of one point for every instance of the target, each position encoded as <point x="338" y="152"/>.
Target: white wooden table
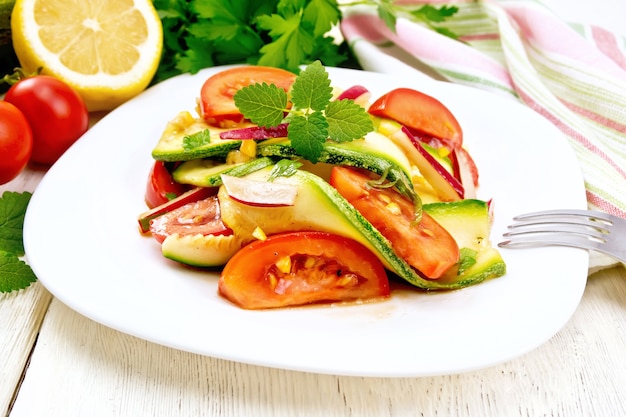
<point x="56" y="362"/>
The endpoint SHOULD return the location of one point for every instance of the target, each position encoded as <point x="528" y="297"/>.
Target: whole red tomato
<point x="56" y="113"/>
<point x="16" y="142"/>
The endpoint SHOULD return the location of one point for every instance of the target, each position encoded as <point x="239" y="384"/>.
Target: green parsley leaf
<point x="15" y="274"/>
<point x="322" y="15"/>
<point x="292" y="43"/>
<point x="308" y="134"/>
<point x="431" y="13"/>
<point x="278" y="33"/>
<point x="347" y="121"/>
<point x="430" y="16"/>
<point x="284" y="168"/>
<point x="311" y="89"/>
<point x="264" y="104"/>
<point x="12" y="211"/>
<point x="387" y="13"/>
<point x="196" y="140"/>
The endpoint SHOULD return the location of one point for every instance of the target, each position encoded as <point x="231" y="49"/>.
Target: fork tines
<point x="580" y="228"/>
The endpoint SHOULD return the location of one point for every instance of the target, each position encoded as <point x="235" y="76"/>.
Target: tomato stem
<point x="18" y="75"/>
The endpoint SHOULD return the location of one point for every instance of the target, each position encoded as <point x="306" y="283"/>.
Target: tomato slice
<point x="161" y="187"/>
<point x="200" y="217"/>
<point x="298" y="268"/>
<point x="216" y="97"/>
<point x="426" y="245"/>
<point x="422" y="113"/>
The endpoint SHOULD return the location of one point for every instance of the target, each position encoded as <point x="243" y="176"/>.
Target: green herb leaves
<point x="196" y="140"/>
<point x="313" y="117"/>
<point x="264" y="104"/>
<point x="277" y="33"/>
<point x="15" y="274"/>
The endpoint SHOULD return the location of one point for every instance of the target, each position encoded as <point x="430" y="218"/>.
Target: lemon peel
<point x="108" y="51"/>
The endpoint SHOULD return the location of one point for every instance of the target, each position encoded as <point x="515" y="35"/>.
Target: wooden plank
<point x="83" y="368"/>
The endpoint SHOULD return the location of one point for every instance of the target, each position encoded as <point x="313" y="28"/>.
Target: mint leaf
<point x="347" y="121"/>
<point x="311" y="89"/>
<point x="196" y="140"/>
<point x="313" y="117"/>
<point x="264" y="104"/>
<point x="284" y="168"/>
<point x="12" y="211"/>
<point x="15" y="274"/>
<point x="308" y="134"/>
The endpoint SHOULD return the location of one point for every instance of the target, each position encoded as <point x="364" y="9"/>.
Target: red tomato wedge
<point x="200" y="217"/>
<point x="161" y="187"/>
<point x="426" y="246"/>
<point x="298" y="268"/>
<point x="216" y="97"/>
<point x="420" y="112"/>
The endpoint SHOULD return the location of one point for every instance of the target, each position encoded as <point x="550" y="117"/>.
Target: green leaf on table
<point x="15" y="274"/>
<point x="12" y="211"/>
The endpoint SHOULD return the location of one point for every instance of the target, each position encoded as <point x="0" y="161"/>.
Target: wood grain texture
<point x="81" y="368"/>
<point x="21" y="313"/>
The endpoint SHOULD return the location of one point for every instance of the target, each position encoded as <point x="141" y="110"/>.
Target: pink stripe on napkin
<point x="424" y="43"/>
<point x="607" y="44"/>
<point x="550" y="34"/>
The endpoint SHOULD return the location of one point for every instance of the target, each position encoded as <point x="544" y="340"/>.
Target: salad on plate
<point x="300" y="192"/>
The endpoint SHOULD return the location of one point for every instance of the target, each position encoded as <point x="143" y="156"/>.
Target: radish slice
<point x="466" y="172"/>
<point x="444" y="184"/>
<point x="191" y="196"/>
<point x="353" y="93"/>
<point x="256" y="132"/>
<point x="260" y="193"/>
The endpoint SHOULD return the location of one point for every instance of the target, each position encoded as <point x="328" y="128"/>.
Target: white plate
<point x="82" y="241"/>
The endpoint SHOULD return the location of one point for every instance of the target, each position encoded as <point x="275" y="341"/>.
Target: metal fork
<point x="584" y="229"/>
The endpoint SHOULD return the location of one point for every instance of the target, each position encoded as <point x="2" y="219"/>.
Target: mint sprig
<point x="15" y="274"/>
<point x="313" y="117"/>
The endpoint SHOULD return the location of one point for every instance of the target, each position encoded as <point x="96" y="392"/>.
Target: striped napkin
<point x="573" y="74"/>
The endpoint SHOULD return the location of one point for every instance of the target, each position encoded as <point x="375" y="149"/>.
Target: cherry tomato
<point x="56" y="113"/>
<point x="421" y="113"/>
<point x="161" y="187"/>
<point x="200" y="217"/>
<point x="16" y="142"/>
<point x="217" y="103"/>
<point x="298" y="268"/>
<point x="426" y="246"/>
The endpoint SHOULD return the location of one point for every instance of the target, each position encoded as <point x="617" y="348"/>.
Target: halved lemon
<point x="107" y="50"/>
